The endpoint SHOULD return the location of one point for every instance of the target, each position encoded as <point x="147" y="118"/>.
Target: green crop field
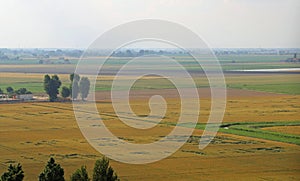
<point x="255" y="130"/>
<point x="277" y="83"/>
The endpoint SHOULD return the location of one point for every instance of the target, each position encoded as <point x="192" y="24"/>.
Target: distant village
<point x="60" y="60"/>
<point x="292" y="60"/>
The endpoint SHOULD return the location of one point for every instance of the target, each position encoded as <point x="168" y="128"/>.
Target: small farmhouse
<point x="3" y="96"/>
<point x="25" y="96"/>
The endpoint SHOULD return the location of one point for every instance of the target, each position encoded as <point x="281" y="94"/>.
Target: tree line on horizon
<point x="54" y="172"/>
<point x="79" y="86"/>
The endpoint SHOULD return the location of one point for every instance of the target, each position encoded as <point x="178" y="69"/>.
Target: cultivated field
<point x="32" y="132"/>
<point x="278" y="83"/>
<point x="258" y="139"/>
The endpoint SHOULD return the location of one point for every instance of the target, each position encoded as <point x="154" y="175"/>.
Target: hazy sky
<point x="221" y="23"/>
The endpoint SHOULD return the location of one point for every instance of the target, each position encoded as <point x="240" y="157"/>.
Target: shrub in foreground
<point x="104" y="172"/>
<point x="14" y="173"/>
<point x="52" y="172"/>
<point x="80" y="175"/>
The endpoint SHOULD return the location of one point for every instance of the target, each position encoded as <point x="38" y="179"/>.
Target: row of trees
<point x="78" y="86"/>
<point x="54" y="172"/>
<point x="11" y="91"/>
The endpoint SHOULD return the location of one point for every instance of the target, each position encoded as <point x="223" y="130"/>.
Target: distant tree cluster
<point x="23" y="91"/>
<point x="60" y="60"/>
<point x="134" y="53"/>
<point x="79" y="86"/>
<point x="18" y="54"/>
<point x="10" y="91"/>
<point x="54" y="172"/>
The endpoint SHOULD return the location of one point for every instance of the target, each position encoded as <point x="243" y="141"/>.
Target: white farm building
<point x="25" y="96"/>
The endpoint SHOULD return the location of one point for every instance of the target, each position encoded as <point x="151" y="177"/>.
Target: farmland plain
<point x="258" y="139"/>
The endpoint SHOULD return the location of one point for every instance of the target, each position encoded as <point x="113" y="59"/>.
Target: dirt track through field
<point x="203" y="93"/>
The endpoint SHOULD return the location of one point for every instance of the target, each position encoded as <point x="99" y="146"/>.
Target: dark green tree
<point x="1" y="91"/>
<point x="84" y="87"/>
<point x="51" y="86"/>
<point x="14" y="173"/>
<point x="74" y="87"/>
<point x="65" y="92"/>
<point x="104" y="172"/>
<point x="74" y="76"/>
<point x="21" y="91"/>
<point x="9" y="90"/>
<point x="52" y="172"/>
<point x="80" y="175"/>
<point x="47" y="79"/>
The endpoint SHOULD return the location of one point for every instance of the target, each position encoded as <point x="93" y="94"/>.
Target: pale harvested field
<point x="241" y="106"/>
<point x="31" y="132"/>
<point x="173" y="93"/>
<point x="285" y="129"/>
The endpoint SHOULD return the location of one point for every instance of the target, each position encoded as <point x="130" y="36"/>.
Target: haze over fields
<point x="222" y="23"/>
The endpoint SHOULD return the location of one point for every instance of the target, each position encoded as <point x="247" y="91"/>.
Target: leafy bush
<point x="14" y="173"/>
<point x="52" y="172"/>
<point x="104" y="172"/>
<point x="65" y="92"/>
<point x="80" y="175"/>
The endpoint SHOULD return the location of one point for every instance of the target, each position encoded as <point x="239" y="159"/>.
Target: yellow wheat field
<point x="32" y="132"/>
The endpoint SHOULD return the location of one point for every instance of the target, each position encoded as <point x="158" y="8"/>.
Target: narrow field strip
<point x="254" y="130"/>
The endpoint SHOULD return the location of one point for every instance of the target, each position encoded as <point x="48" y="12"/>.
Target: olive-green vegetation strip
<point x="285" y="88"/>
<point x="290" y="87"/>
<point x="254" y="130"/>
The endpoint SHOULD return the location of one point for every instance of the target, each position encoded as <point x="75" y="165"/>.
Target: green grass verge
<point x="254" y="130"/>
<point x="290" y="86"/>
<point x="285" y="88"/>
